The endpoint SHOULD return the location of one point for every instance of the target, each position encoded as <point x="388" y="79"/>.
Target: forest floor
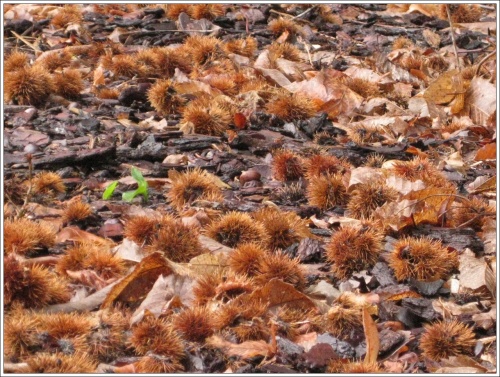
<point x="262" y="188"/>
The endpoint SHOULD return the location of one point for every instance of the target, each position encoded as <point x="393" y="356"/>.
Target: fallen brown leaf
<point x="245" y="350"/>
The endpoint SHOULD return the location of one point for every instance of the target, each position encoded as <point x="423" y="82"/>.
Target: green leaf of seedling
<point x="129" y="195"/>
<point x="108" y="193"/>
<point x="142" y="188"/>
<point x="137" y="175"/>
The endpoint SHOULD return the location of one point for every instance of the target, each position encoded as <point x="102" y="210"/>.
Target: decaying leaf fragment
<point x="137" y="284"/>
<point x="245" y="350"/>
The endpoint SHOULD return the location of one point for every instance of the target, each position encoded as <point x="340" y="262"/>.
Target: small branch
<point x="26" y="42"/>
<point x="453" y="36"/>
<point x="27" y="198"/>
<point x="483" y="60"/>
<point x="305" y="12"/>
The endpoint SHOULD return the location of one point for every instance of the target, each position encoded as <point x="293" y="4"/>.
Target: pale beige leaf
<point x="472" y="270"/>
<point x="363" y="174"/>
<point x="163" y="290"/>
<point x="278" y="293"/>
<point x="480" y="100"/>
<point x="486" y="320"/>
<point x="245" y="350"/>
<point x="432" y="38"/>
<point x="129" y="250"/>
<point x="322" y="224"/>
<point x="209" y="263"/>
<point x="275" y="76"/>
<point x="404" y="186"/>
<point x="75" y="234"/>
<point x="175" y="159"/>
<point x="212" y="245"/>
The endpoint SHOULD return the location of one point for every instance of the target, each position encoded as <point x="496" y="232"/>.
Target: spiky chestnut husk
<point x="207" y="116"/>
<point x="353" y="249"/>
<point x="194" y="324"/>
<point x="102" y="48"/>
<point x="208" y="11"/>
<point x="291" y="193"/>
<point x="221" y="287"/>
<point x="253" y="329"/>
<point x="411" y="61"/>
<point x="66" y="325"/>
<point x="236" y="311"/>
<point x="437" y="63"/>
<point x="167" y="59"/>
<point x="446" y="338"/>
<point x="320" y="164"/>
<point x="164" y="98"/>
<point x="97" y="258"/>
<point x="107" y="93"/>
<point x="142" y="229"/>
<point x="362" y="134"/>
<point x="284" y="51"/>
<point x="361" y="367"/>
<point x="21" y="330"/>
<point x="245" y="259"/>
<point x="126" y="66"/>
<point x="108" y="338"/>
<point x="365" y="88"/>
<point x="245" y="47"/>
<point x="157" y="336"/>
<point x="28" y="86"/>
<point x="60" y="363"/>
<point x="153" y="363"/>
<point x="287" y="166"/>
<point x="473" y="213"/>
<point x="147" y="58"/>
<point x="324" y="138"/>
<point x="326" y="191"/>
<point x="236" y="228"/>
<point x="292" y="106"/>
<point x="375" y="160"/>
<point x="282" y="267"/>
<point x="461" y="13"/>
<point x="174" y="10"/>
<point x="54" y="60"/>
<point x="283" y="228"/>
<point x="68" y="83"/>
<point x="258" y="85"/>
<point x="178" y="242"/>
<point x="280" y="25"/>
<point x="199" y="49"/>
<point x="48" y="183"/>
<point x="344" y="317"/>
<point x="327" y="15"/>
<point x="33" y="286"/>
<point x="75" y="211"/>
<point x="223" y="82"/>
<point x="14" y="61"/>
<point x="422" y="259"/>
<point x="402" y="42"/>
<point x="290" y="319"/>
<point x="68" y="14"/>
<point x="367" y="197"/>
<point x="421" y="168"/>
<point x="24" y="236"/>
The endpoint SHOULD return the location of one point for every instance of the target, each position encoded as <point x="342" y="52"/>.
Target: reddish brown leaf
<point x="488" y="152"/>
<point x="245" y="350"/>
<point x="372" y="339"/>
<point x="240" y="121"/>
<point x="136" y="285"/>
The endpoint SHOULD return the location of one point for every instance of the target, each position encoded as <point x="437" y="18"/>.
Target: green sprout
<point x="128" y="196"/>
